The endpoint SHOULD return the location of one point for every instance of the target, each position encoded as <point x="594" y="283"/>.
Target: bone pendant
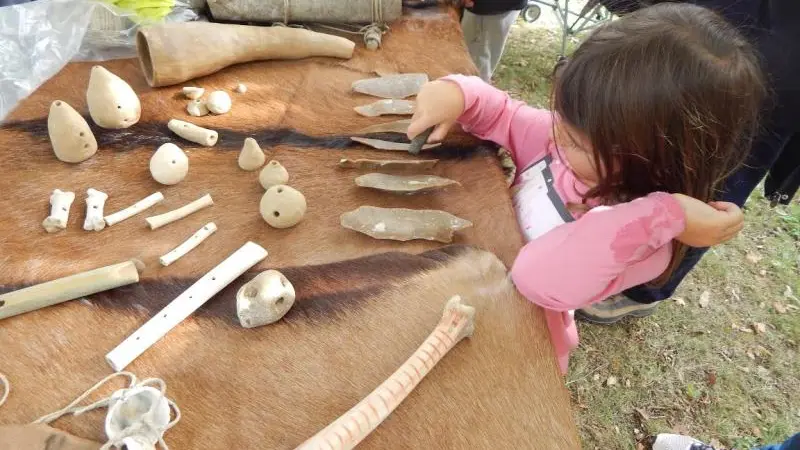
<point x="412" y="184"/>
<point x="392" y="86"/>
<point x="193" y="133"/>
<point x="60" y="202"/>
<point x="402" y="224"/>
<point x="388" y="145"/>
<point x="251" y="157"/>
<point x="188" y="245"/>
<point x="112" y="102"/>
<point x="70" y="135"/>
<point x="134" y="209"/>
<point x="385" y="107"/>
<point x="282" y="206"/>
<point x="169" y="164"/>
<point x="219" y="102"/>
<point x="264" y="299"/>
<point x="273" y="174"/>
<point x="397" y="126"/>
<point x="95" y="202"/>
<point x="458" y="322"/>
<point x="197" y="108"/>
<point x="193" y="93"/>
<point x="177" y="214"/>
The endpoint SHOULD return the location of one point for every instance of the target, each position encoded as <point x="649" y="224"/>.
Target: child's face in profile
<point x="578" y="152"/>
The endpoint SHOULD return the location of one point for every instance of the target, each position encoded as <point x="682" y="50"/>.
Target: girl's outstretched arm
<point x="604" y="252"/>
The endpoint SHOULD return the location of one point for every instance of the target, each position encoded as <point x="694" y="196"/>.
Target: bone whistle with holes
<point x="458" y="322"/>
<point x="188" y="245"/>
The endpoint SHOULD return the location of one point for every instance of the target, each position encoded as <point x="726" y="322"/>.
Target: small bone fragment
<point x="402" y="224"/>
<point x="264" y="299"/>
<point x="112" y="102"/>
<point x="95" y="201"/>
<point x="392" y="86"/>
<point x="197" y="108"/>
<point x="404" y="184"/>
<point x="60" y="202"/>
<point x="185" y="304"/>
<point x="251" y="157"/>
<point x="241" y="88"/>
<point x="388" y="145"/>
<point x="169" y="164"/>
<point x="388" y="164"/>
<point x="193" y="133"/>
<point x="397" y="126"/>
<point x="273" y="174"/>
<point x="188" y="245"/>
<point x="70" y="135"/>
<point x="282" y="206"/>
<point x="386" y="107"/>
<point x="134" y="209"/>
<point x="193" y="93"/>
<point x="219" y="102"/>
<point x="457" y="323"/>
<point x="69" y="288"/>
<point x="159" y="221"/>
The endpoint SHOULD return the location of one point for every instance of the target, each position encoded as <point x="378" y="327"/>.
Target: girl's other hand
<point x="709" y="224"/>
<point x="439" y="103"/>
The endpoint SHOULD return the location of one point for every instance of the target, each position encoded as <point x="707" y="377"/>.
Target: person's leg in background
<point x="485" y="36"/>
<point x="679" y="442"/>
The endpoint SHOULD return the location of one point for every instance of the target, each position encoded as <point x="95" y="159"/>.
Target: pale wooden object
<point x="172" y="53"/>
<point x="388" y="145"/>
<point x="388" y="164"/>
<point x="458" y="322"/>
<point x="193" y="133"/>
<point x="70" y="135"/>
<point x="330" y="11"/>
<point x="134" y="209"/>
<point x="188" y="245"/>
<point x="68" y="288"/>
<point x="159" y="221"/>
<point x="185" y="304"/>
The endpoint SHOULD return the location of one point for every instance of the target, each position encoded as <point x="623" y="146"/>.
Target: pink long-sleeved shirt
<point x="571" y="260"/>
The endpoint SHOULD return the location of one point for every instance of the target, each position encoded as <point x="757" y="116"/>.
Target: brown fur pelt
<point x="360" y="310"/>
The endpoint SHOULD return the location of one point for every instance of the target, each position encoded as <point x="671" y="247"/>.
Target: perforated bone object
<point x="95" y="203"/>
<point x="193" y="133"/>
<point x="189" y="244"/>
<point x="458" y="322"/>
<point x="134" y="209"/>
<point x="264" y="299"/>
<point x="60" y="203"/>
<point x="167" y="218"/>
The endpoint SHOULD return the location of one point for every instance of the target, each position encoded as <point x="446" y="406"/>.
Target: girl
<point x="649" y="114"/>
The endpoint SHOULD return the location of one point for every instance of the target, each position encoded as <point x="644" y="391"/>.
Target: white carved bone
<point x="112" y="102"/>
<point x="241" y="88"/>
<point x="264" y="299"/>
<point x="70" y="135"/>
<point x="69" y="288"/>
<point x="185" y="304"/>
<point x="193" y="93"/>
<point x="193" y="133"/>
<point x="219" y="102"/>
<point x="347" y="431"/>
<point x="197" y="108"/>
<point x="134" y="209"/>
<point x="177" y="214"/>
<point x="251" y="157"/>
<point x="60" y="202"/>
<point x="188" y="245"/>
<point x="169" y="164"/>
<point x="95" y="203"/>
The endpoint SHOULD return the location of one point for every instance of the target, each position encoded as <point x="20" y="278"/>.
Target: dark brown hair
<point x="669" y="98"/>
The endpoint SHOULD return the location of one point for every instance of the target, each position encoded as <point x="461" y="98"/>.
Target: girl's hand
<point x="439" y="103"/>
<point x="709" y="224"/>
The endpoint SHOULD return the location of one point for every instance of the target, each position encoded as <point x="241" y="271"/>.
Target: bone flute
<point x="188" y="245"/>
<point x="458" y="322"/>
<point x="185" y="304"/>
<point x="134" y="209"/>
<point x="68" y="288"/>
<point x="177" y="214"/>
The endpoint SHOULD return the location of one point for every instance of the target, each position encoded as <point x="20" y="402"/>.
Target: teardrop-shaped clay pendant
<point x="251" y="156"/>
<point x="112" y="102"/>
<point x="70" y="135"/>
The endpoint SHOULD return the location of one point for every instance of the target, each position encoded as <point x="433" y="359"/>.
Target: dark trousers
<point x="736" y="189"/>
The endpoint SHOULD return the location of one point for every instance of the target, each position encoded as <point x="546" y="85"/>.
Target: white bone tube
<point x="189" y="244"/>
<point x="69" y="288"/>
<point x="95" y="202"/>
<point x="60" y="202"/>
<point x="193" y="133"/>
<point x="177" y="214"/>
<point x="185" y="304"/>
<point x="134" y="209"/>
<point x="458" y="322"/>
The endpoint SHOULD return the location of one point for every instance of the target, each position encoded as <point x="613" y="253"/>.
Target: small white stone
<point x="240" y="88"/>
<point x="219" y="102"/>
<point x="193" y="93"/>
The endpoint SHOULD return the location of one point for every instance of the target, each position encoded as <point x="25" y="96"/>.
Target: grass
<point x="727" y="373"/>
